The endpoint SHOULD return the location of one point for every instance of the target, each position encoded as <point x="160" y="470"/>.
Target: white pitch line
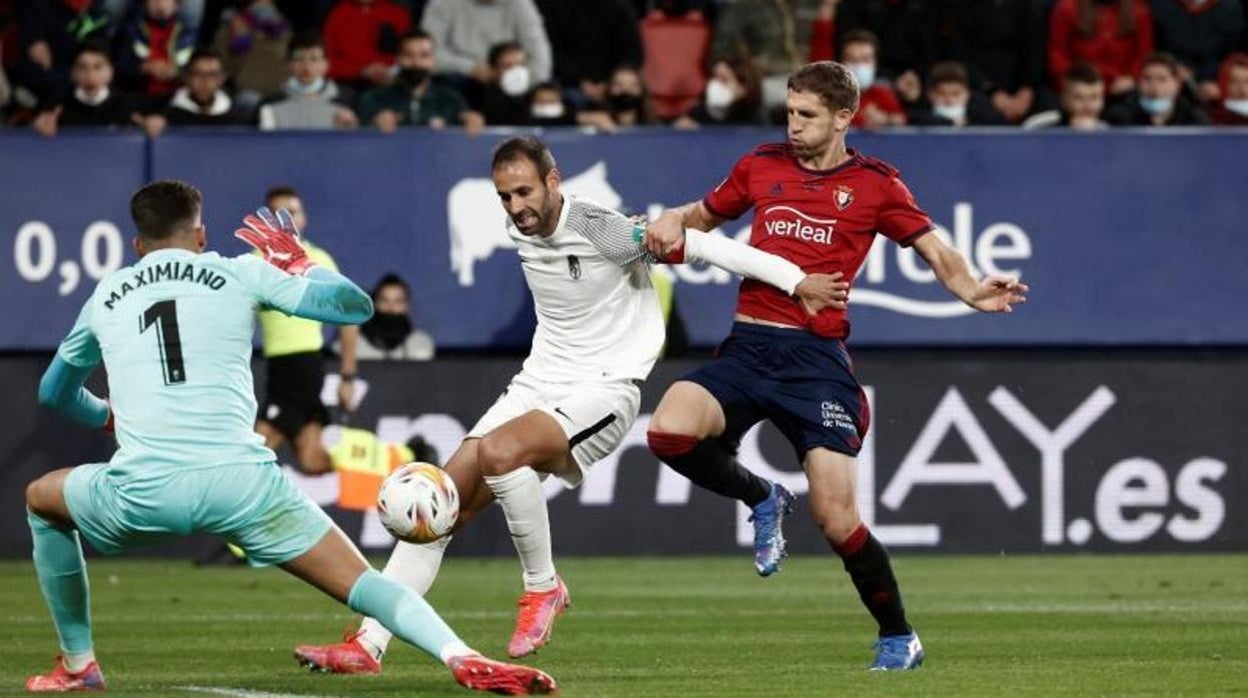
<point x="243" y="692"/>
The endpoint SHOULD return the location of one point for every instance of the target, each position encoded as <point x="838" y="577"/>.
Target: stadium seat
<point x="675" y="67"/>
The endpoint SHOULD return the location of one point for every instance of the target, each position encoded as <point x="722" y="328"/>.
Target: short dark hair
<point x="833" y="82"/>
<point x="302" y="41"/>
<point x="527" y="148"/>
<point x="1163" y="59"/>
<point x="95" y="46"/>
<point x="280" y="191"/>
<point x="391" y="279"/>
<point x="161" y="208"/>
<point x="948" y="71"/>
<point x="1083" y="73"/>
<point x="204" y="54"/>
<point x="860" y="36"/>
<point x="497" y="51"/>
<point x="418" y="33"/>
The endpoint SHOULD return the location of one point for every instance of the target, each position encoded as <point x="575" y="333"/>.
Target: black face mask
<point x="413" y="77"/>
<point x="624" y="102"/>
<point x="386" y="330"/>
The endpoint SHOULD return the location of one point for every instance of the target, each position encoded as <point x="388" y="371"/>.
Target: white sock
<point x="520" y="494"/>
<point x="455" y="649"/>
<point x="77" y="661"/>
<point x="413" y="566"/>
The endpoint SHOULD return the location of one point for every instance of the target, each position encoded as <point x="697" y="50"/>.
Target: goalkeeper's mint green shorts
<point x="252" y="506"/>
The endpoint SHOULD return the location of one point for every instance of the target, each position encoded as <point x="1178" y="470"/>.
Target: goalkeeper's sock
<point x="709" y="464"/>
<point x="63" y="580"/>
<point x="415" y="566"/>
<point x="519" y="492"/>
<point x="868" y="566"/>
<point x="406" y="614"/>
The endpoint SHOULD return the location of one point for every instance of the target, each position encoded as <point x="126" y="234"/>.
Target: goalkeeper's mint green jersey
<point x="174" y="332"/>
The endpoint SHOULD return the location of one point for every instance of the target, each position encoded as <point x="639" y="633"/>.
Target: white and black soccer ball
<point x="418" y="503"/>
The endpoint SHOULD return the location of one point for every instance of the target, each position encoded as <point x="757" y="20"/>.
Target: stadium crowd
<point x="611" y="64"/>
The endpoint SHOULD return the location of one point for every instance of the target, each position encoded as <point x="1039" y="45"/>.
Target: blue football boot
<point x="898" y="653"/>
<point x="768" y="518"/>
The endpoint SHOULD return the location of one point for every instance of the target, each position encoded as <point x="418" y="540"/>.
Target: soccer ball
<point x="418" y="503"/>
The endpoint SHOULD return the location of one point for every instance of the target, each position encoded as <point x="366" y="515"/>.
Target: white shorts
<point x="595" y="415"/>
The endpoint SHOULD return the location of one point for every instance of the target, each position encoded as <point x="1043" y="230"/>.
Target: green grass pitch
<point x="992" y="626"/>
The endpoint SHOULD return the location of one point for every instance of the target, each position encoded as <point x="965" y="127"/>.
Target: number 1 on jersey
<point x="165" y="316"/>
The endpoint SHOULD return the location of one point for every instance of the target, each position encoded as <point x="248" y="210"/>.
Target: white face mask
<point x="547" y="110"/>
<point x="864" y="72"/>
<point x="515" y="80"/>
<point x="1239" y="106"/>
<point x="718" y="95"/>
<point x="953" y="112"/>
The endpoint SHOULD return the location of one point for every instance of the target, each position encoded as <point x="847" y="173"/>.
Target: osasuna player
<point x="819" y="205"/>
<point x="599" y="332"/>
<point x="174" y="331"/>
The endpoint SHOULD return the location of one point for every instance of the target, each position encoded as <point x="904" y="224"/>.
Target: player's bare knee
<point x="498" y="455"/>
<point x="35" y="498"/>
<point x="837" y="528"/>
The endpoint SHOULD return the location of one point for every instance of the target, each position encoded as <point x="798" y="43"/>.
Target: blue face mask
<point x="1156" y="106"/>
<point x="864" y="73"/>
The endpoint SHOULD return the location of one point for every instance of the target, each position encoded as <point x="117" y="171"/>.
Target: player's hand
<point x="277" y="239"/>
<point x="665" y="237"/>
<point x="346" y="394"/>
<point x="819" y="291"/>
<point x="998" y="294"/>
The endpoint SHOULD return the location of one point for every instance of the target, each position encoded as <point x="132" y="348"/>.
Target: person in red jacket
<point x="362" y="39"/>
<point x="1113" y="35"/>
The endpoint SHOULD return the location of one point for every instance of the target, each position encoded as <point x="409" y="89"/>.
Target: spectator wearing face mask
<point x="93" y="101"/>
<point x="466" y="30"/>
<point x="388" y="335"/>
<point x="548" y="108"/>
<point x="733" y="97"/>
<point x="952" y="103"/>
<point x="627" y="103"/>
<point x="505" y="100"/>
<point x="1159" y="101"/>
<point x="1082" y="104"/>
<point x="414" y="99"/>
<point x="1199" y="33"/>
<point x="587" y="39"/>
<point x="878" y="106"/>
<point x="309" y="99"/>
<point x="1232" y="110"/>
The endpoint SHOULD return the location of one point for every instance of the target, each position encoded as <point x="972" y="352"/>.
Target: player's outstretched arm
<point x="817" y="291"/>
<point x="305" y="290"/>
<point x="333" y="298"/>
<point x="61" y="389"/>
<point x="991" y="294"/>
<point x="666" y="235"/>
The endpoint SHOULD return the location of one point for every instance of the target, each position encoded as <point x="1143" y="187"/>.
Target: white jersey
<point x="598" y="317"/>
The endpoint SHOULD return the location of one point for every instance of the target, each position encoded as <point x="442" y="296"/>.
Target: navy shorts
<point x="801" y="382"/>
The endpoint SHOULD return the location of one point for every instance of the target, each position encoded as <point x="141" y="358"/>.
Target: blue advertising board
<point x="1127" y="238"/>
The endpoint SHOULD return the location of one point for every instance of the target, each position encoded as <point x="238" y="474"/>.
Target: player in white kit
<point x="599" y="332"/>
